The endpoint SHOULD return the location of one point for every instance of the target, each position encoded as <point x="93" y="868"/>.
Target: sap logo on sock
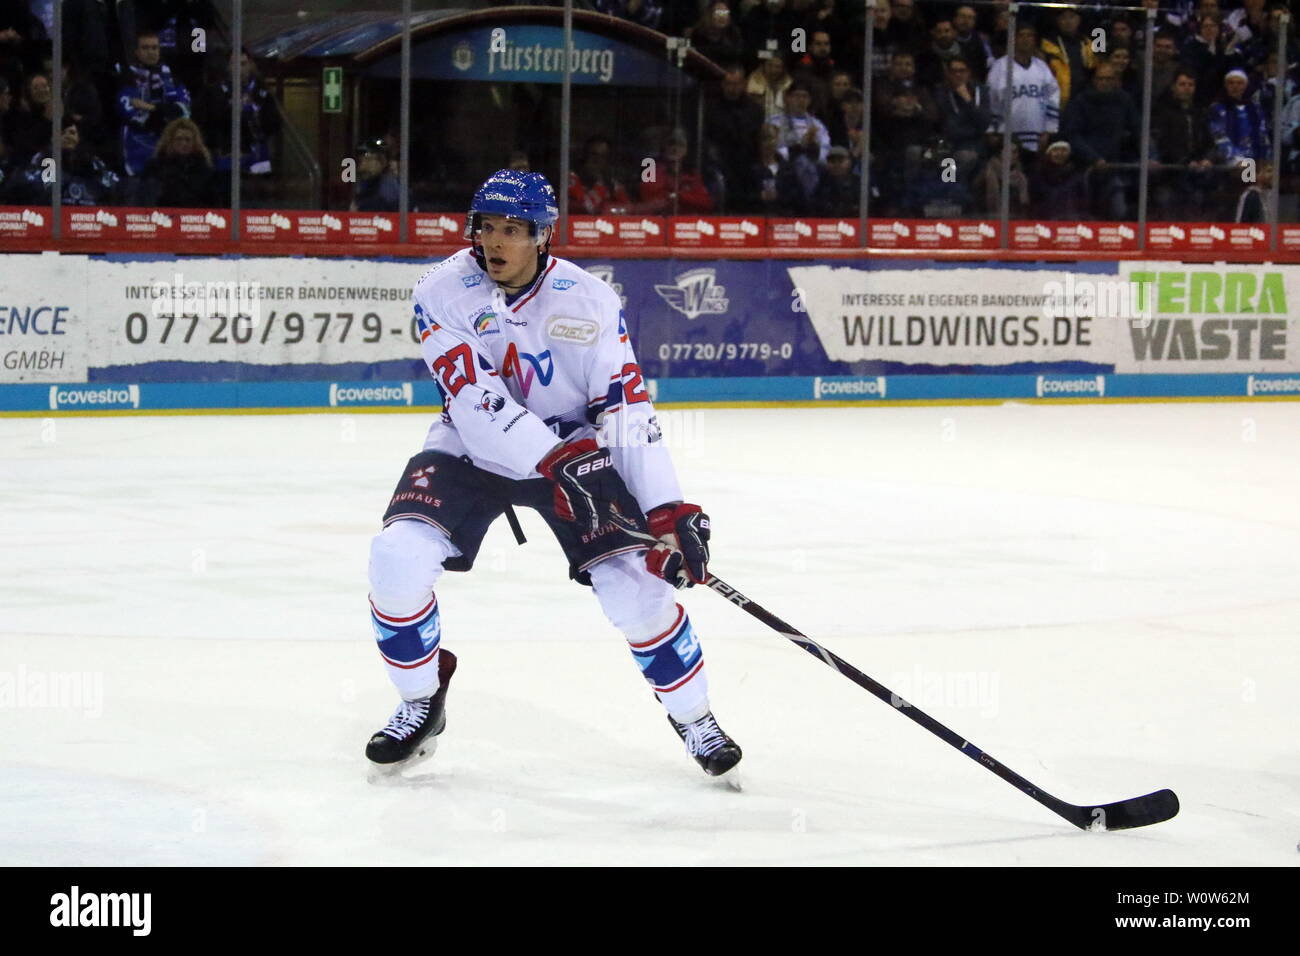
<point x="86" y="396"/>
<point x="696" y="293"/>
<point x="687" y="646"/>
<point x="1071" y="385"/>
<point x="1272" y="385"/>
<point x="563" y="285"/>
<point x="402" y="394"/>
<point x="849" y="387"/>
<point x="75" y="909"/>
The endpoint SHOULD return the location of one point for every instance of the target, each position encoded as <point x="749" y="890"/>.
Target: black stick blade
<point x="1126" y="814"/>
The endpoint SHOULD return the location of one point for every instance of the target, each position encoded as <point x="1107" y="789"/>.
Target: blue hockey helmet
<point x="509" y="192"/>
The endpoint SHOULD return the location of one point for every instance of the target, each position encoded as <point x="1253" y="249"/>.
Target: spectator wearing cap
<point x="1180" y="136"/>
<point x="377" y="189"/>
<point x="1067" y="53"/>
<point x="673" y="189"/>
<point x="973" y="43"/>
<point x="181" y="175"/>
<point x="838" y="190"/>
<point x="86" y="179"/>
<point x="1058" y="189"/>
<point x="964" y="116"/>
<point x="592" y="187"/>
<point x="716" y="36"/>
<point x="1102" y="127"/>
<point x="767" y="84"/>
<point x="803" y="138"/>
<point x="932" y="61"/>
<point x="1238" y="125"/>
<point x="731" y="127"/>
<point x="816" y="68"/>
<point x="148" y="100"/>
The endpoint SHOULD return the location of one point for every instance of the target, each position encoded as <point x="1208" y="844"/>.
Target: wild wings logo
<point x="696" y="293"/>
<point x="605" y="273"/>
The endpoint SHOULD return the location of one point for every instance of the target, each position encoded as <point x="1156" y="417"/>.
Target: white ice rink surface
<point x="1105" y="598"/>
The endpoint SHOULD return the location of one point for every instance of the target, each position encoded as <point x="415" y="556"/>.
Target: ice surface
<point x="1104" y="597"/>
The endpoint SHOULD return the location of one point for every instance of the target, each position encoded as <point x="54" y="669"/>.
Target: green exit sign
<point x="332" y="89"/>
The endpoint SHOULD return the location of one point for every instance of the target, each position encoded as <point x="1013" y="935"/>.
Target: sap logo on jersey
<point x="562" y="328"/>
<point x="471" y="281"/>
<point x="696" y="293"/>
<point x="563" y="285"/>
<point x="402" y="394"/>
<point x="110" y="396"/>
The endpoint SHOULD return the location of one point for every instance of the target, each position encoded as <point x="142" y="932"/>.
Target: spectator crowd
<point x="146" y="116"/>
<point x="782" y="129"/>
<point x="146" y="105"/>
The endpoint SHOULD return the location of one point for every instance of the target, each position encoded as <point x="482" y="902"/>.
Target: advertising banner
<point x="44" y="323"/>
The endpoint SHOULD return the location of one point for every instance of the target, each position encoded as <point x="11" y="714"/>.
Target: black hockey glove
<point x="587" y="486"/>
<point x="682" y="555"/>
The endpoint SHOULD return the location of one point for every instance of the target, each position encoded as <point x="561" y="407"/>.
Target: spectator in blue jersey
<point x="180" y="174"/>
<point x="1238" y="125"/>
<point x="648" y="13"/>
<point x="1103" y="127"/>
<point x="149" y="99"/>
<point x="259" y="120"/>
<point x="87" y="180"/>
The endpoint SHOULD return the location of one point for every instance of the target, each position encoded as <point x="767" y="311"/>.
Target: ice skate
<point x="712" y="749"/>
<point x="411" y="735"/>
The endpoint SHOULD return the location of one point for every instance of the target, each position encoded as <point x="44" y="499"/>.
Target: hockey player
<point x="543" y="406"/>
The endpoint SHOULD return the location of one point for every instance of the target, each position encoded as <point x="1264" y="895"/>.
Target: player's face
<point x="509" y="251"/>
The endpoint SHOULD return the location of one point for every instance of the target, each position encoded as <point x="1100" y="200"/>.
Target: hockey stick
<point x="1123" y="815"/>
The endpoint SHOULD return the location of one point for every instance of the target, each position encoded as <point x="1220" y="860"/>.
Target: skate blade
<point x="732" y="780"/>
<point x="397" y="774"/>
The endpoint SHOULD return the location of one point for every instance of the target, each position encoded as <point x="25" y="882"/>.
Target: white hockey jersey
<point x="1035" y="100"/>
<point x="554" y="364"/>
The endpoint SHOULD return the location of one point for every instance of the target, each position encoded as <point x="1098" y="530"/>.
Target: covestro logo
<point x="95" y="396"/>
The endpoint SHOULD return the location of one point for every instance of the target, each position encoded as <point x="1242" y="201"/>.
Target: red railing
<point x="303" y="232"/>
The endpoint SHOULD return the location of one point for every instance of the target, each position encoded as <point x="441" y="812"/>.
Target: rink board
<point x="109" y="333"/>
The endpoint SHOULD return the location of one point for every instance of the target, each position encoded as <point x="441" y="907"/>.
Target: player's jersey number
<point x="456" y="369"/>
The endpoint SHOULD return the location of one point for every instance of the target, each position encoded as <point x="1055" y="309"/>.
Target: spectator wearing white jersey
<point x="1035" y="96"/>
